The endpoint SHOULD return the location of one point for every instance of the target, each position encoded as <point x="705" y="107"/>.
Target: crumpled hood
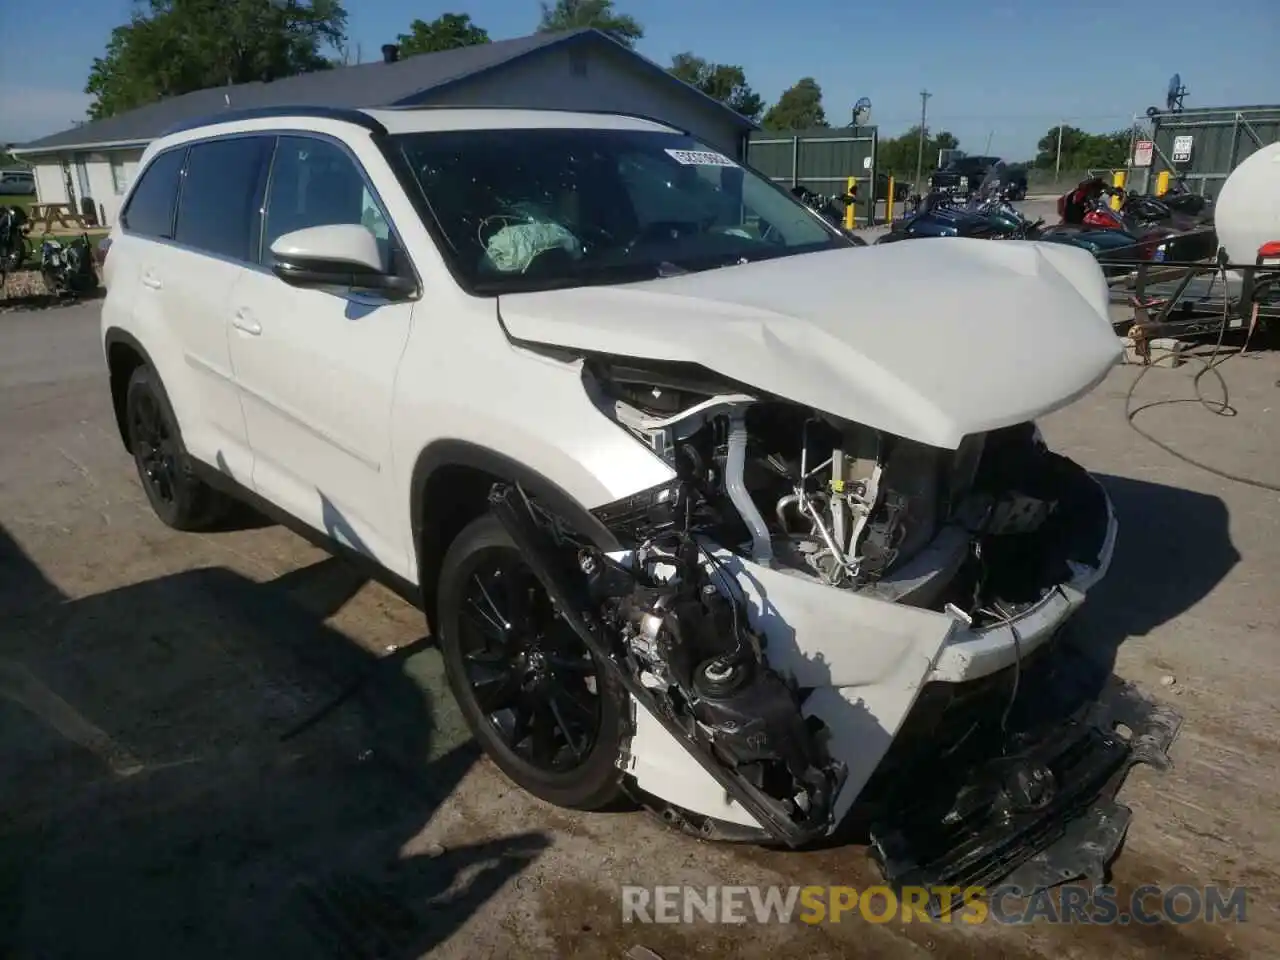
<point x="930" y="340"/>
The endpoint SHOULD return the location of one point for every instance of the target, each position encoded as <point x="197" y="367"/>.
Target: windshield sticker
<point x="700" y="158"/>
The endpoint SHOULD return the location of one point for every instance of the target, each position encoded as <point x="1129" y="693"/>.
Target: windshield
<point x="523" y="209"/>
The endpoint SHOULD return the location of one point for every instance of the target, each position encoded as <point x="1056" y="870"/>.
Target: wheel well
<point x="122" y="360"/>
<point x="452" y="497"/>
<point x="450" y="487"/>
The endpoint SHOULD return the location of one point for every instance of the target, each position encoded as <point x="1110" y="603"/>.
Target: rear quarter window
<point x="149" y="212"/>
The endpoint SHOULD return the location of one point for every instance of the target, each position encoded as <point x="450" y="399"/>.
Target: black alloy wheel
<point x="533" y="695"/>
<point x="155" y="447"/>
<point x="179" y="498"/>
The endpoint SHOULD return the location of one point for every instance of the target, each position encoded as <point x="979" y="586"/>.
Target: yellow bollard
<point x="1162" y="183"/>
<point x="1117" y="180"/>
<point x="850" y="220"/>
<point x="888" y="204"/>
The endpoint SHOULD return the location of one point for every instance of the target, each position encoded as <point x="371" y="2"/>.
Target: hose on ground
<point x="1220" y="408"/>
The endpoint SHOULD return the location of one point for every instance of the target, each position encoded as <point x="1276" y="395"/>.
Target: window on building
<point x="118" y="182"/>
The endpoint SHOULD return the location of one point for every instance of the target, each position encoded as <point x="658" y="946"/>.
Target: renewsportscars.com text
<point x="1069" y="903"/>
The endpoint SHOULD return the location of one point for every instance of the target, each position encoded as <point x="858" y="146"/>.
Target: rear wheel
<point x="550" y="716"/>
<point x="179" y="498"/>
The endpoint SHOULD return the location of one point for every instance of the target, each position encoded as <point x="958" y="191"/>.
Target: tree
<point x="172" y="47"/>
<point x="799" y="108"/>
<point x="720" y="81"/>
<point x="897" y="155"/>
<point x="574" y="14"/>
<point x="446" y="32"/>
<point x="1081" y="150"/>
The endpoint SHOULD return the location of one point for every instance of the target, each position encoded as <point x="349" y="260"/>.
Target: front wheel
<point x="545" y="711"/>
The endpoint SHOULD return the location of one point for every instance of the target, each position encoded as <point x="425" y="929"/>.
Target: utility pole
<point x="924" y="101"/>
<point x="1057" y="164"/>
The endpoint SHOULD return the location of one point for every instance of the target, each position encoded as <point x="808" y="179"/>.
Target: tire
<point x="589" y="780"/>
<point x="179" y="498"/>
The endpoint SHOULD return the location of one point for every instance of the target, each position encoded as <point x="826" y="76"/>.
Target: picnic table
<point x="42" y="218"/>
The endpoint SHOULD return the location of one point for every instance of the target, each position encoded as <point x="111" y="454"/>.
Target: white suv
<point x="701" y="500"/>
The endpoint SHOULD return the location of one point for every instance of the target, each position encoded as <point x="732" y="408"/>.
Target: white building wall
<point x="51" y="183"/>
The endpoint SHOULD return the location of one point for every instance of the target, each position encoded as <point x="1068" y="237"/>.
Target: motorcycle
<point x="14" y="247"/>
<point x="68" y="269"/>
<point x="1160" y="232"/>
<point x="829" y="209"/>
<point x="1181" y="200"/>
<point x="987" y="214"/>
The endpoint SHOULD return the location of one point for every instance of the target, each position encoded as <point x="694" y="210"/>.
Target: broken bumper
<point x="891" y="683"/>
<point x="1040" y="814"/>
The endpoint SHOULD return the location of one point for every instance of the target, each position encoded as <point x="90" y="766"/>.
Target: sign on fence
<point x="1181" y="149"/>
<point x="1142" y="153"/>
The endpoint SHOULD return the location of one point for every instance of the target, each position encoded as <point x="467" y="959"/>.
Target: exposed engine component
<point x="845" y="504"/>
<point x="840" y="501"/>
<point x="682" y="647"/>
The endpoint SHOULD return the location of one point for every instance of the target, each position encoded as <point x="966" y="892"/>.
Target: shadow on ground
<point x="198" y="766"/>
<point x="1173" y="547"/>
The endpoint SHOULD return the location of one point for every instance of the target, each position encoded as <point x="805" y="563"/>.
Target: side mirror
<point x="335" y="255"/>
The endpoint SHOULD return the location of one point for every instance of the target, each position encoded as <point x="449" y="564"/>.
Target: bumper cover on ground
<point x="1042" y="812"/>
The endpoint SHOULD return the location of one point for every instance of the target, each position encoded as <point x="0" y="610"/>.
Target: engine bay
<point x="984" y="531"/>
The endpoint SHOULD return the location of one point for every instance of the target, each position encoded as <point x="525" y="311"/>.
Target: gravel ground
<point x="228" y="745"/>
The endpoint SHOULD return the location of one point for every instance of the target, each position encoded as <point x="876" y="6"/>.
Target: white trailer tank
<point x="1247" y="212"/>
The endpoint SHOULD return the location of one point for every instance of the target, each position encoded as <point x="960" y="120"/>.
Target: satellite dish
<point x="862" y="112"/>
<point x="1173" y="99"/>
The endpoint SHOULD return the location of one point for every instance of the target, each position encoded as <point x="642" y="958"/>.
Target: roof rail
<point x="343" y="114"/>
<point x="498" y="106"/>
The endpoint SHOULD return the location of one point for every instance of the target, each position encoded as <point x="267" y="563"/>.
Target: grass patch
<point x="22" y="201"/>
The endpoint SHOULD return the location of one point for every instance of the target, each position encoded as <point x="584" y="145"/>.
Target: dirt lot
<point x="182" y="775"/>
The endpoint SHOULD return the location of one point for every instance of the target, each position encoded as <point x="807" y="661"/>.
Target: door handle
<point x="243" y="320"/>
<point x="151" y="281"/>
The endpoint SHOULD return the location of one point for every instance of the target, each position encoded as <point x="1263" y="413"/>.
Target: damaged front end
<point x="802" y="614"/>
<point x="682" y="650"/>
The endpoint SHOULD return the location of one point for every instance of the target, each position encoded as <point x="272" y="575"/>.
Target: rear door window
<point x="150" y="209"/>
<point x="219" y="207"/>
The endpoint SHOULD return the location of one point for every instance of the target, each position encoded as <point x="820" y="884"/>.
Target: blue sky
<point x="1006" y="70"/>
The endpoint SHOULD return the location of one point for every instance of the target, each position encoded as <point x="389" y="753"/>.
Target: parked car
<point x="965" y="174"/>
<point x="17" y="183"/>
<point x="698" y="498"/>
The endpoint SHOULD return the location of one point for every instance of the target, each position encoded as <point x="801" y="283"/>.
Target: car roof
<point x="420" y="120"/>
<point x="400" y="120"/>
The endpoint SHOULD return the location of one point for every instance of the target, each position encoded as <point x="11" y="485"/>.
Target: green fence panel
<point x="1221" y="139"/>
<point x="821" y="159"/>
